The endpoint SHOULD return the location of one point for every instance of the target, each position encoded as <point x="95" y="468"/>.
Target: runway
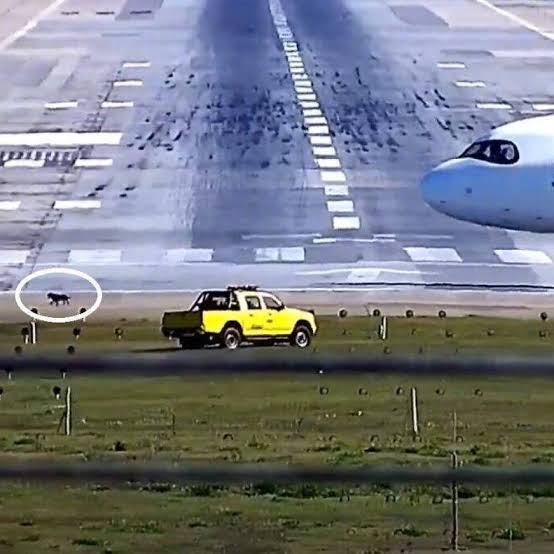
<point x="182" y="144"/>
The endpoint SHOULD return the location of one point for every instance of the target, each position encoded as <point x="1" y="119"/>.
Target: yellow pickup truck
<point x="230" y="317"/>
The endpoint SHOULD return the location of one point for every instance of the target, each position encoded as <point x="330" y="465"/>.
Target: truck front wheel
<point x="301" y="337"/>
<point x="231" y="338"/>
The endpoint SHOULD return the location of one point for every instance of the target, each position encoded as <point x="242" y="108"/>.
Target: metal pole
<point x="34" y="335"/>
<point x="413" y="404"/>
<point x="454" y="539"/>
<point x="68" y="411"/>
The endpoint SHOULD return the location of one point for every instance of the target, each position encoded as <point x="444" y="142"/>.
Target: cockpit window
<point x="493" y="151"/>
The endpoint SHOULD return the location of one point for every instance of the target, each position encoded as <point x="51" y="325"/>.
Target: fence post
<point x="413" y="405"/>
<point x="454" y="538"/>
<point x="383" y="328"/>
<point x="34" y="332"/>
<point x="68" y="411"/>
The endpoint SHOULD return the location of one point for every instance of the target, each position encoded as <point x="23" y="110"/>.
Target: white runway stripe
<point x="494" y="106"/>
<point x="340" y="206"/>
<point x="336" y="190"/>
<point x="135" y="65"/>
<point x="451" y="65"/>
<point x="181" y="255"/>
<point x="470" y="84"/>
<point x="61" y="105"/>
<point x="24" y="163"/>
<point x="421" y="254"/>
<point x="543" y="107"/>
<point x="128" y="83"/>
<point x="324" y="151"/>
<point x="285" y="254"/>
<point x="312" y="112"/>
<point x="9" y="205"/>
<point x="13" y="256"/>
<point x="77" y="204"/>
<point x="333" y="177"/>
<point x="346" y="223"/>
<point x="116" y="104"/>
<point x="94" y="256"/>
<point x="93" y="162"/>
<point x="315" y="121"/>
<point x="328" y="163"/>
<point x="318" y="130"/>
<point x="60" y="139"/>
<point x="309" y="104"/>
<point x="302" y="90"/>
<point x="320" y="140"/>
<point x="523" y="256"/>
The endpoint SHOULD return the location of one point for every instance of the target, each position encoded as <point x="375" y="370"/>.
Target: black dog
<point x="57" y="298"/>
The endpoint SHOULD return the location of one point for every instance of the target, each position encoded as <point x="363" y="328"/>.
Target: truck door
<point x="255" y="320"/>
<point x="277" y="319"/>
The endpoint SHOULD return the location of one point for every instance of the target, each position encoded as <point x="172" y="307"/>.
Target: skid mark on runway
<point x="316" y="125"/>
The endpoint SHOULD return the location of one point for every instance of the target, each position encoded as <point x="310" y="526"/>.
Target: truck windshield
<point x="215" y="300"/>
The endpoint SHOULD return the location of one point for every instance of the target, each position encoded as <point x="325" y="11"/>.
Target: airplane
<point x="504" y="179"/>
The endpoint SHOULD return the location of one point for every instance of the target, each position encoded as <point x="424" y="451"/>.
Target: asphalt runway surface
<point x="183" y="144"/>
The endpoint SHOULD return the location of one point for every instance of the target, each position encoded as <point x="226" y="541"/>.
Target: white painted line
<point x="325" y="240"/>
<point x="336" y="190"/>
<point x="315" y="121"/>
<point x="340" y="206"/>
<point x="320" y="141"/>
<point x="328" y="163"/>
<point x="9" y="205"/>
<point x="346" y="223"/>
<point x="516" y="19"/>
<point x="543" y="107"/>
<point x="93" y="162"/>
<point x="24" y="163"/>
<point x="77" y="204"/>
<point x="303" y="83"/>
<point x="309" y="104"/>
<point x="297" y="70"/>
<point x="94" y="256"/>
<point x="61" y="105"/>
<point x="299" y="77"/>
<point x="295" y="64"/>
<point x="421" y="254"/>
<point x="135" y="65"/>
<point x="293" y="56"/>
<point x="178" y="255"/>
<point x="494" y="106"/>
<point x="469" y="84"/>
<point x="60" y="139"/>
<point x="451" y="65"/>
<point x="333" y="176"/>
<point x="312" y="112"/>
<point x="293" y="254"/>
<point x="116" y="104"/>
<point x="318" y="130"/>
<point x="13" y="256"/>
<point x="286" y="254"/>
<point x="267" y="254"/>
<point x="523" y="256"/>
<point x="324" y="151"/>
<point x="30" y="25"/>
<point x="128" y="83"/>
<point x="303" y="96"/>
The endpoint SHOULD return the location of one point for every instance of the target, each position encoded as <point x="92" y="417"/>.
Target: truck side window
<point x="234" y="303"/>
<point x="253" y="303"/>
<point x="271" y="303"/>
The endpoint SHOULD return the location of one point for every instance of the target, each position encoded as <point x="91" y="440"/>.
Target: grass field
<point x="281" y="419"/>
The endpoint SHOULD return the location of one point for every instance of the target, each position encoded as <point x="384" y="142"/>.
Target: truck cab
<point x="237" y="315"/>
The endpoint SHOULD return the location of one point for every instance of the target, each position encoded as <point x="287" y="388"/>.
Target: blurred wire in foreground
<point x="120" y="473"/>
<point x="156" y="363"/>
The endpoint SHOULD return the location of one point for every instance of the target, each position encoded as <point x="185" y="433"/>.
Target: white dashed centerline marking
<point x="60" y="139"/>
<point x="451" y="65"/>
<point x="318" y="130"/>
<point x="61" y="105"/>
<point x="328" y="163"/>
<point x="32" y="164"/>
<point x="128" y="83"/>
<point x="136" y="65"/>
<point x="77" y="204"/>
<point x="93" y="162"/>
<point x="470" y="84"/>
<point x="312" y="112"/>
<point x="543" y="107"/>
<point x="340" y="206"/>
<point x="494" y="106"/>
<point x="320" y="140"/>
<point x="116" y="104"/>
<point x="346" y="223"/>
<point x="309" y="104"/>
<point x="421" y="254"/>
<point x="13" y="256"/>
<point x="336" y="190"/>
<point x="523" y="256"/>
<point x="315" y="121"/>
<point x="9" y="205"/>
<point x="94" y="256"/>
<point x="333" y="177"/>
<point x="324" y="151"/>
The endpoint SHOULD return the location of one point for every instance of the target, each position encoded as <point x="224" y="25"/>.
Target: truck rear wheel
<point x="301" y="337"/>
<point x="231" y="338"/>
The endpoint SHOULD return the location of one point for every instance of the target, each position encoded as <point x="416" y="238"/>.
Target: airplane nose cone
<point x="434" y="187"/>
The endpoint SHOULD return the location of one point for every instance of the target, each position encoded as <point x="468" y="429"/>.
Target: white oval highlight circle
<point x="66" y="271"/>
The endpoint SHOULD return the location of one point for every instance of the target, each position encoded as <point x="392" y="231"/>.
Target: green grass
<point x="280" y="419"/>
